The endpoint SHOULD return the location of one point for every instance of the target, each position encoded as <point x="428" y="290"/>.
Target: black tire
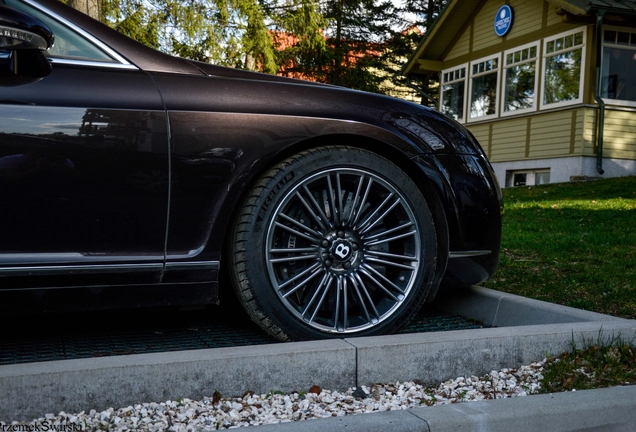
<point x="310" y="264"/>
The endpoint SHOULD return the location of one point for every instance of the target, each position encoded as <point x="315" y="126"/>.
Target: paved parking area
<point x="520" y="331"/>
<point x="110" y="333"/>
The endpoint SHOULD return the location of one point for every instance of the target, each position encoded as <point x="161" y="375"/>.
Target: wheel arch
<point x="426" y="177"/>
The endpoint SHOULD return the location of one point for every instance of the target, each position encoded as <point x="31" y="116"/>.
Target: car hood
<point x="306" y="98"/>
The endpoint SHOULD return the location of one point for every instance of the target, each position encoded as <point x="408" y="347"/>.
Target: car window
<point x="68" y="43"/>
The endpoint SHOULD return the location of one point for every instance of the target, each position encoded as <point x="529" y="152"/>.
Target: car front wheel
<point x="333" y="242"/>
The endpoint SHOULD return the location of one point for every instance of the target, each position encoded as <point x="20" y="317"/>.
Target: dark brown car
<point x="132" y="178"/>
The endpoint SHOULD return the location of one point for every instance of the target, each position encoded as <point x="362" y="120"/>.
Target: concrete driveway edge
<point x="31" y="390"/>
<point x="437" y="357"/>
<point x="602" y="410"/>
<point x="599" y="410"/>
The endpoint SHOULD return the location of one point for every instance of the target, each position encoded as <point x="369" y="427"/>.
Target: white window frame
<point x="531" y="176"/>
<point x="537" y="78"/>
<point x="464" y="66"/>
<point x="544" y="61"/>
<point x="471" y="76"/>
<point x="631" y="30"/>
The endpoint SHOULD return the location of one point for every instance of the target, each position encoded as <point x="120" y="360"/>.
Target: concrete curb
<point x="435" y="357"/>
<point x="602" y="410"/>
<point x="499" y="309"/>
<point x="33" y="389"/>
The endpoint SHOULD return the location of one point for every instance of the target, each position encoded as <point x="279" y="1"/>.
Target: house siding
<point x="484" y="34"/>
<point x="589" y="132"/>
<point x="566" y="133"/>
<point x="462" y="47"/>
<point x="552" y="134"/>
<point x="528" y="18"/>
<point x="532" y="137"/>
<point x="509" y="140"/>
<point x="552" y="18"/>
<point x="482" y="134"/>
<point x="619" y="137"/>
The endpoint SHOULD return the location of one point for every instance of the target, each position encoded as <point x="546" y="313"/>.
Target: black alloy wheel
<point x="333" y="242"/>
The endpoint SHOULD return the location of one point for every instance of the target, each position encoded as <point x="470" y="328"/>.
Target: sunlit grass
<point x="572" y="244"/>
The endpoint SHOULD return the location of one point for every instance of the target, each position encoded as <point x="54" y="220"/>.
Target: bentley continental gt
<point x="132" y="178"/>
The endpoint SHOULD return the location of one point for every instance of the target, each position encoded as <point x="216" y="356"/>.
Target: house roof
<point x="590" y="7"/>
<point x="443" y="30"/>
<point x="450" y="21"/>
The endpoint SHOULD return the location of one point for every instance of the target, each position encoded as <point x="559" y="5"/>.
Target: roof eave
<point x="571" y="6"/>
<point x="591" y="8"/>
<point x="413" y="64"/>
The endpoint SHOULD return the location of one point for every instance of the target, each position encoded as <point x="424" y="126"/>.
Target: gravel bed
<point x="251" y="409"/>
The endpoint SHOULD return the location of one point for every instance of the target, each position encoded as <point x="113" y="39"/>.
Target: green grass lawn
<point x="572" y="244"/>
<point x="600" y="365"/>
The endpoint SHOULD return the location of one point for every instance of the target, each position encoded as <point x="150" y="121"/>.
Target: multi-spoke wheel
<point x="333" y="242"/>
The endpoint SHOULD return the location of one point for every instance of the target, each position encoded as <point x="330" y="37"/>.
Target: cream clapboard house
<point x="548" y="87"/>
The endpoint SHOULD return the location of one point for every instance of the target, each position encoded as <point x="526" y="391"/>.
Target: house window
<point x="527" y="177"/>
<point x="471" y="92"/>
<point x="520" y="83"/>
<point x="563" y="72"/>
<point x="484" y="80"/>
<point x="519" y="179"/>
<point x="541" y="177"/>
<point x="619" y="64"/>
<point x="453" y="91"/>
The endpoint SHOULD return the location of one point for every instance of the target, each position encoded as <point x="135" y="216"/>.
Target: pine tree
<point x="299" y="37"/>
<point x="424" y="12"/>
<point x="226" y="32"/>
<point x="361" y="44"/>
<point x="366" y="43"/>
<point x="418" y="16"/>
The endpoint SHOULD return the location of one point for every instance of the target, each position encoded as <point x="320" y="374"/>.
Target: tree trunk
<point x="429" y="14"/>
<point x="92" y="8"/>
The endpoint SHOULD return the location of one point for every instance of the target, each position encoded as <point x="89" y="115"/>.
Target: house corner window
<point x="619" y="64"/>
<point x="520" y="83"/>
<point x="527" y="177"/>
<point x="484" y="79"/>
<point x="563" y="73"/>
<point x="453" y="91"/>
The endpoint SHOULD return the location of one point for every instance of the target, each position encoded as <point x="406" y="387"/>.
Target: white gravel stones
<point x="252" y="409"/>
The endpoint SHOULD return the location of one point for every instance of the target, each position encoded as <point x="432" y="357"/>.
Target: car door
<point x="84" y="168"/>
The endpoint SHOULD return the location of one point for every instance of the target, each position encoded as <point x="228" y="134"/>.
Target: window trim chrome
<point x="101" y="45"/>
<point x="59" y="60"/>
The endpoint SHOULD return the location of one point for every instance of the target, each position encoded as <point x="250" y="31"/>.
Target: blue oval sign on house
<point x="503" y="20"/>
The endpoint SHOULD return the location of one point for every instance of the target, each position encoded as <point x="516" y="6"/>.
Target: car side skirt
<point x="98" y="275"/>
<point x="68" y="300"/>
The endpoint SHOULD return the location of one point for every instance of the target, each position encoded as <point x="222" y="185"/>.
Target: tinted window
<point x="68" y="43"/>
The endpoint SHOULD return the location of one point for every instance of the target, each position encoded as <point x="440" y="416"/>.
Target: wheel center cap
<point x="341" y="250"/>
